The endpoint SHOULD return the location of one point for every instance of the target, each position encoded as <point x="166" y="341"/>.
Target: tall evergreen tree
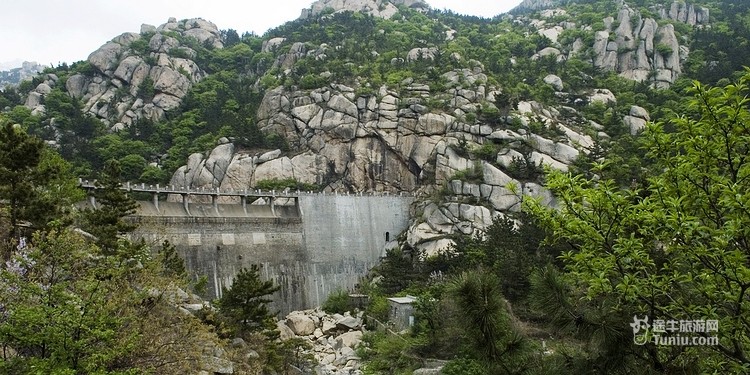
<point x="246" y="302"/>
<point x="20" y="154"/>
<point x="106" y="221"/>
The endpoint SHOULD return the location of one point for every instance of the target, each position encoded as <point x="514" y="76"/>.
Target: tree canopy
<point x="675" y="246"/>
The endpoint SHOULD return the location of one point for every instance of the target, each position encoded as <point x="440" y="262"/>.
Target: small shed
<point x="401" y="312"/>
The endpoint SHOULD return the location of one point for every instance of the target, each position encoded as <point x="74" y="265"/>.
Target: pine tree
<point x="106" y="221"/>
<point x="173" y="265"/>
<point x="246" y="302"/>
<point x="19" y="156"/>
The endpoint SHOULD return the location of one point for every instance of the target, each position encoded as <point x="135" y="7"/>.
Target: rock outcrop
<point x="639" y="49"/>
<point x="687" y="13"/>
<point x="140" y="75"/>
<point x="636" y="120"/>
<point x="377" y="8"/>
<point x="15" y="75"/>
<point x="392" y="141"/>
<point x="632" y="45"/>
<point x="531" y="5"/>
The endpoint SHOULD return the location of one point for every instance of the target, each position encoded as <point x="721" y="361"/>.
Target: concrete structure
<point x="401" y="312"/>
<point x="310" y="244"/>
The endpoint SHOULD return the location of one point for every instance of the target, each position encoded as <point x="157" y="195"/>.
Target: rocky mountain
<point x="468" y="115"/>
<point x="532" y="5"/>
<point x="144" y="75"/>
<point x="377" y="8"/>
<point x="456" y="133"/>
<point x="637" y="47"/>
<point x="138" y="75"/>
<point x="407" y="100"/>
<point x="393" y="142"/>
<point x="14" y="76"/>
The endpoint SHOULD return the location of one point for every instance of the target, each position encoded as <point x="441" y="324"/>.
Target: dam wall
<point x="310" y="245"/>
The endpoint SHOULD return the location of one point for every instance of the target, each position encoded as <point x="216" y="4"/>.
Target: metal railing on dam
<point x="254" y="193"/>
<point x="166" y="199"/>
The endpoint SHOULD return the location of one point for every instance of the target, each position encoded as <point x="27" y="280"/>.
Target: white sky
<point x="54" y="31"/>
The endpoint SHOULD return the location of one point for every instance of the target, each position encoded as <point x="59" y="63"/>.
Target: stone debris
<point x="334" y="339"/>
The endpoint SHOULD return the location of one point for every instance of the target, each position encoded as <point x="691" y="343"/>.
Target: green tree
<point x="246" y="302"/>
<point x="60" y="316"/>
<point x="55" y="193"/>
<point x="106" y="220"/>
<point x="20" y="154"/>
<point x="132" y="167"/>
<point x="172" y="264"/>
<point x="398" y="270"/>
<point x="676" y="246"/>
<point x="477" y="295"/>
<point x="65" y="308"/>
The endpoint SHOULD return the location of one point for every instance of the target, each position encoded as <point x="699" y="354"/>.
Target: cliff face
<point x="377" y="8"/>
<point x="685" y="12"/>
<point x="455" y="138"/>
<point x="393" y="141"/>
<point x="636" y="47"/>
<point x="139" y="75"/>
<point x="641" y="50"/>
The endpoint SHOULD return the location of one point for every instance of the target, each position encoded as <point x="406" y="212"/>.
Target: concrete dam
<point x="310" y="244"/>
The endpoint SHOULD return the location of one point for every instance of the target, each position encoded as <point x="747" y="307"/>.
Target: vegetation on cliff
<point x="646" y="223"/>
<point x="671" y="246"/>
<point x="77" y="297"/>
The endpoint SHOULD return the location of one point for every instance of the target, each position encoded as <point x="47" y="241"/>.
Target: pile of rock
<point x="334" y="339"/>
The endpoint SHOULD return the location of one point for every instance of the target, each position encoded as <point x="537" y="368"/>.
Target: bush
<point x="387" y="354"/>
<point x="277" y="141"/>
<point x="664" y="49"/>
<point x="488" y="151"/>
<point x="474" y="175"/>
<point x="337" y="302"/>
<point x="463" y="366"/>
<point x="140" y="46"/>
<point x="525" y="170"/>
<point x="378" y="307"/>
<point x="287" y="183"/>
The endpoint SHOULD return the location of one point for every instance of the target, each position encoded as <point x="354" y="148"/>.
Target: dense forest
<point x="650" y="223"/>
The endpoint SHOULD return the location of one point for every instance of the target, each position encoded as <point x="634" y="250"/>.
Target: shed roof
<point x="403" y="300"/>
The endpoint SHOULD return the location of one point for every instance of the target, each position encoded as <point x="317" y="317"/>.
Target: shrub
<point x="474" y="175"/>
<point x="139" y="46"/>
<point x="387" y="354"/>
<point x="287" y="183"/>
<point x="463" y="366"/>
<point x="146" y="90"/>
<point x="378" y="307"/>
<point x="337" y="302"/>
<point x="664" y="49"/>
<point x="525" y="170"/>
<point x="488" y="151"/>
<point x="277" y="141"/>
